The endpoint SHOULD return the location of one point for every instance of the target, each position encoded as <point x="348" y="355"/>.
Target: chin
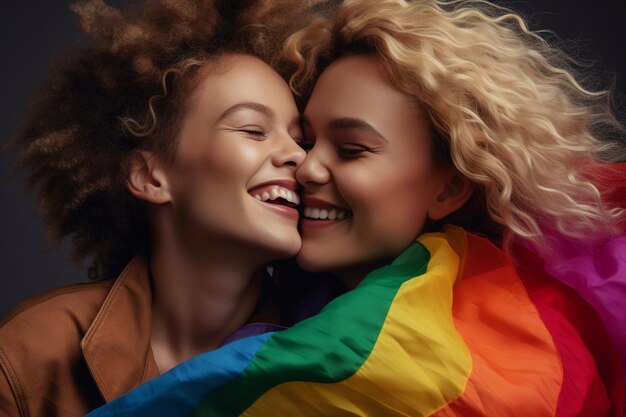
<point x="288" y="248"/>
<point x="312" y="263"/>
<point x="319" y="258"/>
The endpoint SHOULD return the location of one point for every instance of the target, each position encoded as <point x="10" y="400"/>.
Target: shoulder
<point x="58" y="306"/>
<point x="40" y="350"/>
<point x="54" y="321"/>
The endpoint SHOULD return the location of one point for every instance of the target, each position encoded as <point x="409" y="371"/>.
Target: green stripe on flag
<point x="326" y="348"/>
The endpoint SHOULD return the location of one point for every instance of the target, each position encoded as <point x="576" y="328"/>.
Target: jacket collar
<point x="116" y="347"/>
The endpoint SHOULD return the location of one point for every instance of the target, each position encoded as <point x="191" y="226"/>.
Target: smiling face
<point x="369" y="179"/>
<point x="232" y="180"/>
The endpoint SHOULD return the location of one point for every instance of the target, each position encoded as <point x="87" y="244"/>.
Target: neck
<point x="198" y="300"/>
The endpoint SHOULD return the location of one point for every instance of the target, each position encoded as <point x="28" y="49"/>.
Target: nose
<point x="313" y="171"/>
<point x="289" y="153"/>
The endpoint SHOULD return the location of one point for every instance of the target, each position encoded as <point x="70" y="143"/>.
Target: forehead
<point x="232" y="79"/>
<point x="358" y="86"/>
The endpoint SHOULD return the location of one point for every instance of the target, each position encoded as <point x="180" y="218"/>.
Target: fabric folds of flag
<point x="450" y="328"/>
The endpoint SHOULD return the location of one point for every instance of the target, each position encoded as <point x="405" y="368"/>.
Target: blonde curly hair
<point x="506" y="109"/>
<point x="125" y="89"/>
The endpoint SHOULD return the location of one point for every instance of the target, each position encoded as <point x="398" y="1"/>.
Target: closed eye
<point x="351" y="151"/>
<point x="254" y="132"/>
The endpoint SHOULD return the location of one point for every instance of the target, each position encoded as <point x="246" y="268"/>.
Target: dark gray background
<point x="34" y="31"/>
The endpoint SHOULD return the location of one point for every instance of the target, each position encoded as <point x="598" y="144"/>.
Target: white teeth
<point x="324" y="214"/>
<point x="279" y="192"/>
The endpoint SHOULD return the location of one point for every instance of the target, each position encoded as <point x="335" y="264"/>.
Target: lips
<point x="280" y="196"/>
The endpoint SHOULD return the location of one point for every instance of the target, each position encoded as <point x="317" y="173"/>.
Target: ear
<point x="455" y="192"/>
<point x="146" y="177"/>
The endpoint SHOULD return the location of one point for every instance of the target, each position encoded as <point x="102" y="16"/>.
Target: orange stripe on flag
<point x="516" y="367"/>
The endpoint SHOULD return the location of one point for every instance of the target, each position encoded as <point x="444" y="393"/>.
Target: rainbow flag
<point x="450" y="328"/>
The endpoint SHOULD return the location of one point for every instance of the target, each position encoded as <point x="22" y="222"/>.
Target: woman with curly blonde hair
<point x="456" y="176"/>
<point x="429" y="113"/>
<point x="166" y="149"/>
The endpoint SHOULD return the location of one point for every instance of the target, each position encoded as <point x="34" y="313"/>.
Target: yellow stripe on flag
<point x="392" y="382"/>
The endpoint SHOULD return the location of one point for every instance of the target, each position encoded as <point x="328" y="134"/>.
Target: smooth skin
<point x="211" y="234"/>
<point x="370" y="158"/>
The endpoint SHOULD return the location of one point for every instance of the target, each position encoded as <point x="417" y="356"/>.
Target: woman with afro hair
<point x="166" y="149"/>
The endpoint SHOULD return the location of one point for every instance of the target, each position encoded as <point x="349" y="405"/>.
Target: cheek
<point x="222" y="162"/>
<point x="391" y="206"/>
<point x="358" y="187"/>
<point x="196" y="181"/>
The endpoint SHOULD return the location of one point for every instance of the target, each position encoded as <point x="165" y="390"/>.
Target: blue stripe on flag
<point x="180" y="391"/>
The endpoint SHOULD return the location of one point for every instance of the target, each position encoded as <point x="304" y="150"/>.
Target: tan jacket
<point x="69" y="350"/>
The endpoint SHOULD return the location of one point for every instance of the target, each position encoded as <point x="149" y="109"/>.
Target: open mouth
<point x="277" y="195"/>
<point x="316" y="213"/>
<point x="319" y="212"/>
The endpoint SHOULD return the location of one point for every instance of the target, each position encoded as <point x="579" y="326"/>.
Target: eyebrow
<point x="349" y="123"/>
<point x="248" y="105"/>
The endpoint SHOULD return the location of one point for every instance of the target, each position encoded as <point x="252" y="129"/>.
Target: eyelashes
<point x="351" y="151"/>
<point x="259" y="133"/>
<point x="345" y="150"/>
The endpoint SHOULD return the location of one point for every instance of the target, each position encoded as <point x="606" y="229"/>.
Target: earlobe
<point x="456" y="190"/>
<point x="146" y="177"/>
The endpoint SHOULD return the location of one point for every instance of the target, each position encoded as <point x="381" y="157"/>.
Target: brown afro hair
<point x="123" y="90"/>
